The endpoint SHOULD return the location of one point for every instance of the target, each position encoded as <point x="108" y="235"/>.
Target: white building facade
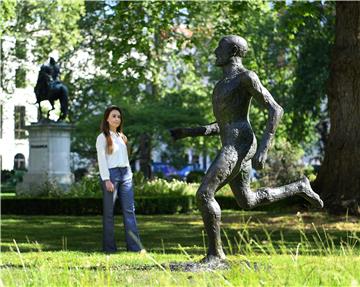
<point x="17" y="109"/>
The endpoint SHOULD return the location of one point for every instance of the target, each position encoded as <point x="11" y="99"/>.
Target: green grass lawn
<point x="263" y="248"/>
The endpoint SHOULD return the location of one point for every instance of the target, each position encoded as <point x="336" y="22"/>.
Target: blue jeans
<point x="121" y="177"/>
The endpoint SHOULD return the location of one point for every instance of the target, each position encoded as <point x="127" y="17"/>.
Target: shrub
<point x="174" y="176"/>
<point x="80" y="173"/>
<point x="89" y="187"/>
<point x="195" y="176"/>
<point x="163" y="187"/>
<point x="159" y="186"/>
<point x="87" y="206"/>
<point x="10" y="178"/>
<point x="158" y="174"/>
<point x="284" y="165"/>
<point x="6" y="175"/>
<point x="50" y="189"/>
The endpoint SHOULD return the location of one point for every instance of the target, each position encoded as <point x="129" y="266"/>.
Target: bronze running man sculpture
<point x="231" y="102"/>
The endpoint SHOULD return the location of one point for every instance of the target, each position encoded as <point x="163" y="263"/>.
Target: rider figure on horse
<point x="49" y="87"/>
<point x="55" y="71"/>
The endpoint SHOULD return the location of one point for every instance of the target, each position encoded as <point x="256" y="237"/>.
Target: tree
<point x="36" y="30"/>
<point x="133" y="48"/>
<point x="51" y="26"/>
<point x="338" y="181"/>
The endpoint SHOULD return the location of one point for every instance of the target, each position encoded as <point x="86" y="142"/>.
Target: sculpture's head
<point x="52" y="61"/>
<point x="229" y="47"/>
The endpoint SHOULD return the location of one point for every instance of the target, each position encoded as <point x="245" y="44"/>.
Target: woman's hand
<point x="109" y="186"/>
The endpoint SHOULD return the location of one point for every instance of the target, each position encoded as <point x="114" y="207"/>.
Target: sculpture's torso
<point x="231" y="101"/>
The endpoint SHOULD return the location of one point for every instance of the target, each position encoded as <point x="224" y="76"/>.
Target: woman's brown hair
<point x="105" y="129"/>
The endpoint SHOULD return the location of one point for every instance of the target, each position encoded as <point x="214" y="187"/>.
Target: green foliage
<point x="89" y="186"/>
<point x="7" y="15"/>
<point x="57" y="205"/>
<point x="195" y="176"/>
<point x="157" y="86"/>
<point x="164" y="187"/>
<point x="20" y="50"/>
<point x="160" y="69"/>
<point x="155" y="59"/>
<point x="90" y="96"/>
<point x="20" y="78"/>
<point x="49" y="188"/>
<point x="9" y="178"/>
<point x="52" y="26"/>
<point x="311" y="30"/>
<point x="284" y="165"/>
<point x="159" y="186"/>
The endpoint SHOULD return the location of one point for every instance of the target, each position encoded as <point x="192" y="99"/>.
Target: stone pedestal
<point x="49" y="158"/>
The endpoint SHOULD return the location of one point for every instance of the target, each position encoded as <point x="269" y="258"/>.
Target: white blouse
<point x="118" y="158"/>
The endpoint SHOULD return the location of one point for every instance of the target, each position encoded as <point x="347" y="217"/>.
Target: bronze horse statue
<point x="49" y="87"/>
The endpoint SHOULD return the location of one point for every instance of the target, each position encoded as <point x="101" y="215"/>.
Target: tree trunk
<point x="145" y="139"/>
<point x="338" y="181"/>
<point x="145" y="155"/>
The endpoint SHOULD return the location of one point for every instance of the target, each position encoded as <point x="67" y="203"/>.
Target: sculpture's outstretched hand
<point x="258" y="161"/>
<point x="177" y="133"/>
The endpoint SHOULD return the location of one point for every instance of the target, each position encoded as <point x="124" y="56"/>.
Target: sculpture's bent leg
<point x="217" y="176"/>
<point x="240" y="187"/>
<point x="248" y="199"/>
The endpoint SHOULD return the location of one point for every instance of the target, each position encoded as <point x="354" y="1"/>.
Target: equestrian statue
<point x="49" y="87"/>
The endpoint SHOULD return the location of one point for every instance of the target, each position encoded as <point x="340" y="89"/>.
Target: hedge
<point x="143" y="205"/>
<point x="93" y="206"/>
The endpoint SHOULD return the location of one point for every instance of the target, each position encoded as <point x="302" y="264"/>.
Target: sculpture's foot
<point x="213" y="259"/>
<point x="310" y="195"/>
<point x="209" y="265"/>
<point x="212" y="262"/>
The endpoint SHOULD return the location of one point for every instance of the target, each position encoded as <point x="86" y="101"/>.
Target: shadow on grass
<point x="172" y="233"/>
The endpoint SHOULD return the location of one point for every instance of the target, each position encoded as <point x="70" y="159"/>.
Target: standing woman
<point x="116" y="180"/>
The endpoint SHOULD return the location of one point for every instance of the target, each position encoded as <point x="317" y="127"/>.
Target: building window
<point x="1" y="121"/>
<point x="20" y="78"/>
<point x="20" y="132"/>
<point x="20" y="49"/>
<point x="19" y="161"/>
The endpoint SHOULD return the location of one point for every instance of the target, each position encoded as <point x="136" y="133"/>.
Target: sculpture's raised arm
<point x="263" y="96"/>
<point x="207" y="130"/>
